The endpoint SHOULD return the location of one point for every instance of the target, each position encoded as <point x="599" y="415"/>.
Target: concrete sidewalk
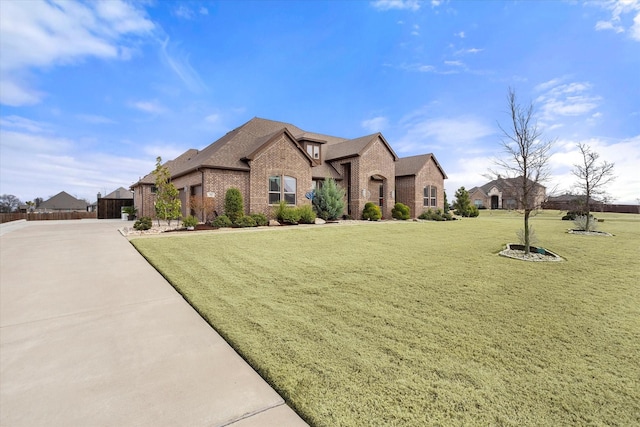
<point x="92" y="335"/>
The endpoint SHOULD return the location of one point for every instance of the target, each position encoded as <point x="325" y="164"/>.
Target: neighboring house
<point x="420" y="183"/>
<point x="571" y="202"/>
<point x="110" y="206"/>
<point x="504" y="193"/>
<point x="62" y="202"/>
<point x="270" y="161"/>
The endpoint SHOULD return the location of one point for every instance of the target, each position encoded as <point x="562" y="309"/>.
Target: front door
<point x="494" y="202"/>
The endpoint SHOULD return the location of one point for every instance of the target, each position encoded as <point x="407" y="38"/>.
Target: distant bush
<point x="143" y="223"/>
<point x="245" y="221"/>
<point x="401" y="211"/>
<point x="371" y="212"/>
<point x="222" y="221"/>
<point x="307" y="215"/>
<point x="572" y="215"/>
<point x="260" y="219"/>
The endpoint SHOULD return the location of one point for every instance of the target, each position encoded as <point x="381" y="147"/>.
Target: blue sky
<point x="92" y="92"/>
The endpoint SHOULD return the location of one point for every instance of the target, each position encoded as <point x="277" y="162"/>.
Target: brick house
<point x="270" y="161"/>
<point x="504" y="193"/>
<point x="420" y="183"/>
<point x="62" y="202"/>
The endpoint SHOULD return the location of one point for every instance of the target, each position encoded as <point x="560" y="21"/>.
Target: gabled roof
<point x="63" y="201"/>
<point x="355" y="147"/>
<point x="172" y="165"/>
<point x="120" y="193"/>
<point x="505" y="183"/>
<point x="413" y="165"/>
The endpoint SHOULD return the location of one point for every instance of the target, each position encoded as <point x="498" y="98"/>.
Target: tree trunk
<point x="527" y="212"/>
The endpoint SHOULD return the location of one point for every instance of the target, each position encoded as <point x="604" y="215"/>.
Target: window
<point x="314" y="151"/>
<point x="154" y="189"/>
<point x="381" y="196"/>
<point x="286" y="192"/>
<point x="477" y="202"/>
<point x="430" y="196"/>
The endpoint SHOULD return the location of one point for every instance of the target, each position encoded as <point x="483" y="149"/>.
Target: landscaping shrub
<point x="572" y="215"/>
<point x="143" y="223"/>
<point x="286" y="214"/>
<point x="307" y="215"/>
<point x="473" y="211"/>
<point x="260" y="219"/>
<point x="437" y="215"/>
<point x="533" y="239"/>
<point x="580" y="223"/>
<point x="401" y="211"/>
<point x="233" y="206"/>
<point x="328" y="201"/>
<point x="190" y="221"/>
<point x="245" y="221"/>
<point x="222" y="221"/>
<point x="371" y="212"/>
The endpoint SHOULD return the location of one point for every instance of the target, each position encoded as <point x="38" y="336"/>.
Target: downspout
<point x="204" y="219"/>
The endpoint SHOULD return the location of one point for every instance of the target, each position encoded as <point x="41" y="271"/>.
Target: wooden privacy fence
<point x="34" y="216"/>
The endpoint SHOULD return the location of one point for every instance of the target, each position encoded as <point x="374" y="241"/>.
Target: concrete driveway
<point x="92" y="335"/>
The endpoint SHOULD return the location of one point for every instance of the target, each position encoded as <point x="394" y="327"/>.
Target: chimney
<point x="99" y="196"/>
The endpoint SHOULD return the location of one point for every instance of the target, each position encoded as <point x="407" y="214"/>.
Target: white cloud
<point x="39" y="34"/>
<point x="179" y="63"/>
<point x="620" y="12"/>
<point x="184" y="12"/>
<point x="151" y="107"/>
<point x="95" y="119"/>
<point x="624" y="153"/>
<point x="376" y="124"/>
<point x="57" y="164"/>
<point x="472" y="50"/>
<point x="412" y="5"/>
<point x="460" y="34"/>
<point x="560" y="99"/>
<point x="423" y="132"/>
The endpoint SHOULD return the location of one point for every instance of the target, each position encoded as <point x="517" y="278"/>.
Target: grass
<point x="405" y="323"/>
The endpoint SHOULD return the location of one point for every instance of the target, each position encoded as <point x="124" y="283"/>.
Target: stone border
<point x="589" y="233"/>
<point x="548" y="256"/>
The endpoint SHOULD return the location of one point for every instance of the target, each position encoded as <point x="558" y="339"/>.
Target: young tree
<point x="446" y="203"/>
<point x="203" y="206"/>
<point x="527" y="158"/>
<point x="462" y="205"/>
<point x="168" y="205"/>
<point x="328" y="201"/>
<point x="233" y="204"/>
<point x="592" y="176"/>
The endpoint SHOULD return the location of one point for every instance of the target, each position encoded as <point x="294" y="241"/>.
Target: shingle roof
<point x="503" y="183"/>
<point x="236" y="147"/>
<point x="413" y="164"/>
<point x="63" y="201"/>
<point x="120" y="193"/>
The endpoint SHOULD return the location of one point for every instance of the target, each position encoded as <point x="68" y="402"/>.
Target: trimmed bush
<point x="307" y="215"/>
<point x="437" y="215"/>
<point x="233" y="205"/>
<point x="143" y="223"/>
<point x="371" y="212"/>
<point x="260" y="219"/>
<point x="246" y="221"/>
<point x="401" y="211"/>
<point x="222" y="221"/>
<point x="286" y="214"/>
<point x="190" y="221"/>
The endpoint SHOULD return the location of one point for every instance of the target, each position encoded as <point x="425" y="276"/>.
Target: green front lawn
<point x="404" y="323"/>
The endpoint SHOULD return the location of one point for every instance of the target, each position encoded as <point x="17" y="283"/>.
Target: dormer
<point x="313" y="147"/>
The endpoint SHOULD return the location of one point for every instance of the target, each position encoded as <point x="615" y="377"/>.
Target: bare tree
<point x="592" y="176"/>
<point x="526" y="159"/>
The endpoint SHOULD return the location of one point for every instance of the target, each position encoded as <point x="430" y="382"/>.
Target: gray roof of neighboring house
<point x="120" y="193"/>
<point x="502" y="184"/>
<point x="63" y="201"/>
<point x="239" y="145"/>
<point x="412" y="165"/>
